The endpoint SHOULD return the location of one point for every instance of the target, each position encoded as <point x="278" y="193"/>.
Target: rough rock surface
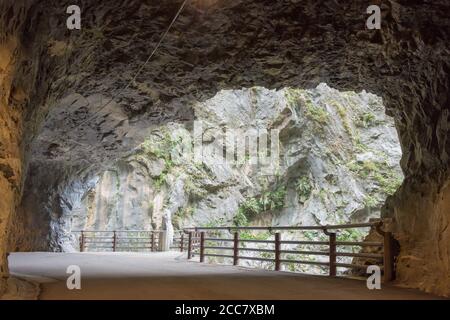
<point x="337" y="162"/>
<point x="217" y="45"/>
<point x="21" y="289"/>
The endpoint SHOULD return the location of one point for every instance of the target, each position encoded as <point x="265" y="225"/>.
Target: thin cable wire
<point x="180" y="10"/>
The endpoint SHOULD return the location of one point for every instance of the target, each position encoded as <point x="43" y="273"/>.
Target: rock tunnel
<point x="68" y="107"/>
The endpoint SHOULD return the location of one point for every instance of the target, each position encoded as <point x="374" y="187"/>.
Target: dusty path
<point x="169" y="276"/>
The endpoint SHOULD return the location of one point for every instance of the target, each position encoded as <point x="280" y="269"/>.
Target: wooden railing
<point x="119" y="240"/>
<point x="201" y="241"/>
<point x="180" y="241"/>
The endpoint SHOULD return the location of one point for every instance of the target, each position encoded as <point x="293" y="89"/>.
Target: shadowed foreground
<point x="169" y="276"/>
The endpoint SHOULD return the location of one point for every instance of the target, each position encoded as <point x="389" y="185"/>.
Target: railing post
<point x="82" y="242"/>
<point x="236" y="249"/>
<point x="161" y="240"/>
<point x="189" y="255"/>
<point x="152" y="239"/>
<point x="114" y="241"/>
<point x="332" y="252"/>
<point x="277" y="251"/>
<point x="388" y="253"/>
<point x="202" y="246"/>
<point x="182" y="242"/>
<point x="388" y="257"/>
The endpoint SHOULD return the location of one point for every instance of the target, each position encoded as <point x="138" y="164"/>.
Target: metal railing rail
<point x="119" y="240"/>
<point x="326" y="227"/>
<point x="179" y="241"/>
<point x="201" y="240"/>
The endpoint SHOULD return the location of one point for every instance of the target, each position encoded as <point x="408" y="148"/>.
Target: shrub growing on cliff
<point x="160" y="147"/>
<point x="387" y="179"/>
<point x="370" y="201"/>
<point x="366" y="120"/>
<point x="316" y="113"/>
<point x="273" y="200"/>
<point x="251" y="207"/>
<point x="240" y="219"/>
<point x="269" y="200"/>
<point x="303" y="187"/>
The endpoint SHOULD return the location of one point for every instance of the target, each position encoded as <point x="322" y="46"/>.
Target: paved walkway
<point x="169" y="276"/>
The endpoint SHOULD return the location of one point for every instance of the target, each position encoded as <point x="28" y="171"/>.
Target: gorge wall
<point x="56" y="133"/>
<point x="338" y="161"/>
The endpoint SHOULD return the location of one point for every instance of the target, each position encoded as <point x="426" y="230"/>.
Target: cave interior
<point x="59" y="125"/>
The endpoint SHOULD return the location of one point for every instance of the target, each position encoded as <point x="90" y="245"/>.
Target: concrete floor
<point x="169" y="276"/>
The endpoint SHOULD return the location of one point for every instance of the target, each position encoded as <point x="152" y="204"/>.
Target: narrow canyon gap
<point x="46" y="69"/>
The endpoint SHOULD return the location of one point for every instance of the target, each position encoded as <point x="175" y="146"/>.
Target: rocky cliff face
<point x="17" y="82"/>
<point x="10" y="153"/>
<point x="336" y="160"/>
<point x="54" y="81"/>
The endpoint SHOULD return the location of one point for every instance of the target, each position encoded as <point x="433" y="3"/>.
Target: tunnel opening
<point x="330" y="158"/>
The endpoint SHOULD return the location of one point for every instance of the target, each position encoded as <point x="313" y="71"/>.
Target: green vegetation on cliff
<point x="387" y="179"/>
<point x="304" y="188"/>
<point x="315" y="112"/>
<point x="273" y="200"/>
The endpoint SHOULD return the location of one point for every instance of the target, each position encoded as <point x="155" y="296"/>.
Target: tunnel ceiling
<point x="225" y="44"/>
<point x="62" y="78"/>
